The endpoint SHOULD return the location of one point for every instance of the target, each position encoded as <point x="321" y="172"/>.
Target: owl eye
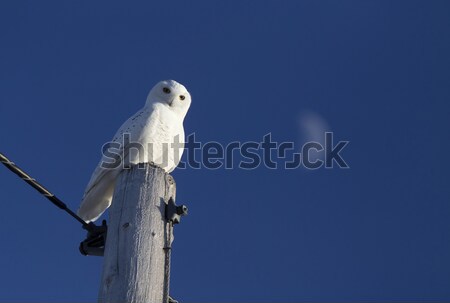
<point x="166" y="90"/>
<point x="182" y="97"/>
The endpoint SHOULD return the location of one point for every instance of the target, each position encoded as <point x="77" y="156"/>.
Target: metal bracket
<point x="94" y="245"/>
<point x="175" y="212"/>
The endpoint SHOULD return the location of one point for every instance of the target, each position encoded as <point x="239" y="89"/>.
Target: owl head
<point x="172" y="94"/>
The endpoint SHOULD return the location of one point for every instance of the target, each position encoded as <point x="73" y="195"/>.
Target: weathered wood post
<point x="137" y="251"/>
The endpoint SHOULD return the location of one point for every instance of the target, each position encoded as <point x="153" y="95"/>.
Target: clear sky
<point x="375" y="73"/>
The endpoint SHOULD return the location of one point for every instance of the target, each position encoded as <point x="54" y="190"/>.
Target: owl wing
<point x="98" y="193"/>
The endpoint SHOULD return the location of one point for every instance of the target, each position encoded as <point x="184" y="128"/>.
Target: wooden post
<point x="136" y="259"/>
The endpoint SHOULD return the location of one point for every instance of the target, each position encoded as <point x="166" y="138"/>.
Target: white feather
<point x="155" y="127"/>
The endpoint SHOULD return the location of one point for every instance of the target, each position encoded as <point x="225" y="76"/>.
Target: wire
<point x="167" y="250"/>
<point x="41" y="189"/>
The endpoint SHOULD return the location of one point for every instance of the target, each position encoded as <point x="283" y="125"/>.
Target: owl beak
<point x="171" y="102"/>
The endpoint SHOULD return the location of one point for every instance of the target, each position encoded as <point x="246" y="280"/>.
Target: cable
<point x="167" y="250"/>
<point x="41" y="189"/>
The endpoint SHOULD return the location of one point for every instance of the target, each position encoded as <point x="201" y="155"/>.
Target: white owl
<point x="157" y="128"/>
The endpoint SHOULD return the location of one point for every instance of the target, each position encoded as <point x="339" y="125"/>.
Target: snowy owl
<point x="157" y="128"/>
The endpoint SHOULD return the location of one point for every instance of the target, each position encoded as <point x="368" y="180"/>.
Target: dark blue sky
<point x="376" y="73"/>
